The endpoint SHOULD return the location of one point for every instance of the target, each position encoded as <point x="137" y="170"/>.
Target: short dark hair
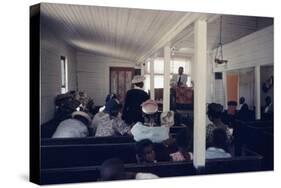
<point x="139" y="84"/>
<point x="112" y="169"/>
<point x="141" y="145"/>
<point x="268" y="99"/>
<point x="215" y="110"/>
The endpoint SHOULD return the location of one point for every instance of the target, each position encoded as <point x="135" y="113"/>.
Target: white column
<point x="166" y="94"/>
<point x="152" y="93"/>
<point x="258" y="91"/>
<point x="200" y="90"/>
<point x="142" y="65"/>
<point x="191" y="68"/>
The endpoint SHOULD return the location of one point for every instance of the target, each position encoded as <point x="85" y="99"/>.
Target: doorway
<point x="120" y="81"/>
<point x="232" y="86"/>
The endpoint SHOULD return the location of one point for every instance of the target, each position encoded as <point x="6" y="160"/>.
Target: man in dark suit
<point x="132" y="112"/>
<point x="243" y="109"/>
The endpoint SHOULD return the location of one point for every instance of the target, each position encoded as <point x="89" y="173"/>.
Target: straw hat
<point x="83" y="114"/>
<point x="138" y="79"/>
<point x="149" y="107"/>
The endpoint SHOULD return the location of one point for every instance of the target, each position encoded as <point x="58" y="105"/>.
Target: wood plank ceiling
<point x="129" y="34"/>
<point x="116" y="32"/>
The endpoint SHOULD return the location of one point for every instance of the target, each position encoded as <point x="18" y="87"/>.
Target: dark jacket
<point x="132" y="110"/>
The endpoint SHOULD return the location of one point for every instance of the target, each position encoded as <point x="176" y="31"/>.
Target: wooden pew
<point x="91" y="173"/>
<point x="258" y="137"/>
<point x="99" y="140"/>
<point x="62" y="156"/>
<point x="162" y="169"/>
<point x="87" y="140"/>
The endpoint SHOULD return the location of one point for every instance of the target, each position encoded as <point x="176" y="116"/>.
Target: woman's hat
<point x="112" y="105"/>
<point x="149" y="107"/>
<point x="83" y="114"/>
<point x="138" y="79"/>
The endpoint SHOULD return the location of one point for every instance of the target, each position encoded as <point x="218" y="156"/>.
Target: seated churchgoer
<point x="145" y="152"/>
<point x="167" y="119"/>
<point x="230" y="114"/>
<point x="147" y="130"/>
<point x="268" y="109"/>
<point x="109" y="122"/>
<point x="243" y="110"/>
<point x="113" y="169"/>
<point x="219" y="147"/>
<point x="214" y="114"/>
<point x="183" y="140"/>
<point x="108" y="98"/>
<point x="75" y="127"/>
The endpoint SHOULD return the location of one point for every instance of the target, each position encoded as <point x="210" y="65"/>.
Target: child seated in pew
<point x="76" y="127"/>
<point x="183" y="142"/>
<point x="113" y="169"/>
<point x="219" y="147"/>
<point x="109" y="122"/>
<point x="145" y="152"/>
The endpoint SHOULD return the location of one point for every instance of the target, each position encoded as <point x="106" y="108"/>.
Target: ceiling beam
<point x="185" y="21"/>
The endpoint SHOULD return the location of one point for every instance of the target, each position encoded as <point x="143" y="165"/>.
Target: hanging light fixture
<point x="219" y="52"/>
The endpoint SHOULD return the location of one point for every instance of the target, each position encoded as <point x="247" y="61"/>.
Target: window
<point x="64" y="75"/>
<point x="176" y="62"/>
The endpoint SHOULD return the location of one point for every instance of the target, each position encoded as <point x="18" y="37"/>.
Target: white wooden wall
<point x="93" y="74"/>
<point x="52" y="48"/>
<point x="249" y="51"/>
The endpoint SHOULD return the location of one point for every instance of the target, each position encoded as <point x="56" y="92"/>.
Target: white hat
<point x="138" y="79"/>
<point x="149" y="106"/>
<point x="83" y="114"/>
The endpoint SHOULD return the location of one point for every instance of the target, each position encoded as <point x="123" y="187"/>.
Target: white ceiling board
<point x="136" y="34"/>
<point x="115" y="32"/>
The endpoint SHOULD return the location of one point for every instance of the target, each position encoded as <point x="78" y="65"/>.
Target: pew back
<point x="164" y="169"/>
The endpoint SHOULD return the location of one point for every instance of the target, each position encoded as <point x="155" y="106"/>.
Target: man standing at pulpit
<point x="179" y="79"/>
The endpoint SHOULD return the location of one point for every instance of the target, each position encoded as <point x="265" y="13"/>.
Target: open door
<point x="232" y="86"/>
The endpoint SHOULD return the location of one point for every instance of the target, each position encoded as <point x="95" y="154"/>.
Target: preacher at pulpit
<point x="179" y="79"/>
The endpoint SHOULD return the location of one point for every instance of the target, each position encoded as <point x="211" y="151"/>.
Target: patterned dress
<point x="103" y="125"/>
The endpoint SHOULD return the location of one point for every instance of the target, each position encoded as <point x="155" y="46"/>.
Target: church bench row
<point x="257" y="136"/>
<point x="90" y="140"/>
<point x="99" y="140"/>
<point x="60" y="156"/>
<point x="249" y="163"/>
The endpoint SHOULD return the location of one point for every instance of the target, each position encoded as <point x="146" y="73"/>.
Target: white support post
<point x="258" y="91"/>
<point x="191" y="69"/>
<point x="166" y="94"/>
<point x="152" y="92"/>
<point x="200" y="90"/>
<point x="142" y="68"/>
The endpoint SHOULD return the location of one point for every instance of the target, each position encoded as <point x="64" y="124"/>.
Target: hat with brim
<point x="149" y="107"/>
<point x="138" y="79"/>
<point x="83" y="114"/>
